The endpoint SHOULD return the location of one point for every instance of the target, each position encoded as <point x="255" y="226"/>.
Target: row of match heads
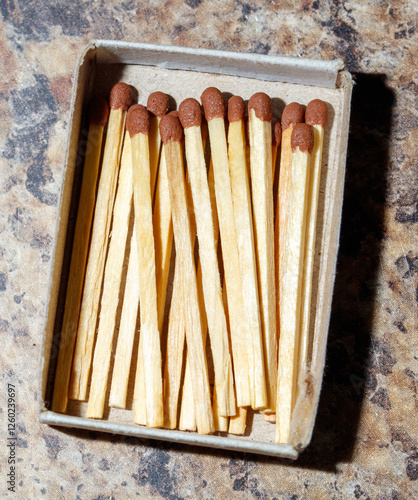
<point x="214" y="106"/>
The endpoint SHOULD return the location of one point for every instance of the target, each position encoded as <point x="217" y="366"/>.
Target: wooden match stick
<point x="214" y="107"/>
<point x="260" y="113"/>
<point x="316" y="115"/>
<point x="137" y="125"/>
<point x="111" y="285"/>
<point x="127" y="330"/>
<point x="302" y="142"/>
<point x="157" y="105"/>
<point x="241" y="196"/>
<point x="98" y="115"/>
<point x="120" y="100"/>
<point x="187" y="420"/>
<point x="293" y="113"/>
<point x="171" y="133"/>
<point x="191" y="118"/>
<point x="175" y="353"/>
<point x="175" y="339"/>
<point x="163" y="227"/>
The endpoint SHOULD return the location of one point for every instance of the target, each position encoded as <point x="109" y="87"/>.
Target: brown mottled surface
<point x="365" y="443"/>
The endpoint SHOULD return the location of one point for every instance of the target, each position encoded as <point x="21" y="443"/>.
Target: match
<point x="316" y="115"/>
<point x="293" y="113"/>
<point x="111" y="285"/>
<point x="302" y="142"/>
<point x="138" y="126"/>
<point x="171" y="134"/>
<point x="191" y="118"/>
<point x="175" y="346"/>
<point x="187" y="415"/>
<point x="241" y="196"/>
<point x="120" y="100"/>
<point x="157" y="106"/>
<point x="214" y="107"/>
<point x="260" y="113"/>
<point x="98" y="115"/>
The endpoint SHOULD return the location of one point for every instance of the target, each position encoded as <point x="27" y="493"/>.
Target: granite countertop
<point x="365" y="443"/>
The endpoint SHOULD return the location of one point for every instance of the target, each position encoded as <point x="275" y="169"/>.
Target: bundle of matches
<point x="297" y="216"/>
<point x="267" y="270"/>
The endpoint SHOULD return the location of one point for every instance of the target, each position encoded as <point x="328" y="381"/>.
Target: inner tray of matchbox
<point x="180" y="84"/>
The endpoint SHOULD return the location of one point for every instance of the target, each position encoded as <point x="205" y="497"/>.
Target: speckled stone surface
<point x="365" y="443"/>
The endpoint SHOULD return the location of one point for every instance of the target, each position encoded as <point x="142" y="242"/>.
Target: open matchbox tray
<point x="181" y="73"/>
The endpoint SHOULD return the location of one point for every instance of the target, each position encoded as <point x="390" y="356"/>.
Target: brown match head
<point x="293" y="113"/>
<point x="213" y="103"/>
<point x="170" y="128"/>
<point x="262" y="106"/>
<point x="316" y="113"/>
<point x="190" y="113"/>
<point x="302" y="137"/>
<point x="98" y="111"/>
<point x="137" y="120"/>
<point x="120" y="96"/>
<point x="276" y="133"/>
<point x="158" y="104"/>
<point x="236" y="109"/>
<point x="174" y="113"/>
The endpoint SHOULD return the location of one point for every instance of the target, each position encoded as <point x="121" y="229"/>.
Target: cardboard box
<point x="181" y="73"/>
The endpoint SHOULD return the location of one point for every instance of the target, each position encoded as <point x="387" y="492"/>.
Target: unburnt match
<point x="302" y="142"/>
<point x="138" y="128"/>
<point x="214" y="107"/>
<point x="260" y="113"/>
<point x="176" y="336"/>
<point x="191" y="118"/>
<point x="187" y="414"/>
<point x="316" y="115"/>
<point x="120" y="100"/>
<point x="157" y="105"/>
<point x="171" y="134"/>
<point x="293" y="113"/>
<point x="98" y="115"/>
<point x="241" y="196"/>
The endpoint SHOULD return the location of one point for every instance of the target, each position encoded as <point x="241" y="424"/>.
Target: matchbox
<point x="182" y="73"/>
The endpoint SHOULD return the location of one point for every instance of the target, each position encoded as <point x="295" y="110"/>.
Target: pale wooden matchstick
<point x="111" y="286"/>
<point x="98" y="115"/>
<point x="214" y="107"/>
<point x="171" y="133"/>
<point x="127" y="330"/>
<point x="120" y="100"/>
<point x="241" y="196"/>
<point x="175" y="353"/>
<point x="174" y="356"/>
<point x="137" y="125"/>
<point x="293" y="113"/>
<point x="157" y="105"/>
<point x="260" y="113"/>
<point x="316" y="115"/>
<point x="302" y="142"/>
<point x="191" y="118"/>
<point x="187" y="420"/>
